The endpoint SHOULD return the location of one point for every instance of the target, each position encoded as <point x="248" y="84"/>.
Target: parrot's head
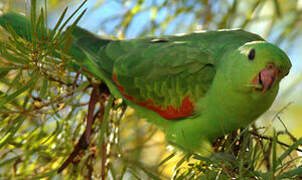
<point x="257" y="67"/>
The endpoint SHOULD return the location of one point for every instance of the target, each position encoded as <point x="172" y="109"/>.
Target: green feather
<point x="19" y="24"/>
<point x="212" y="68"/>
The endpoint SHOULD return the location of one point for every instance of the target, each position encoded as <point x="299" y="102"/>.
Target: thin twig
<point x="92" y="102"/>
<point x="81" y="145"/>
<point x="103" y="154"/>
<point x="271" y="139"/>
<point x="74" y="84"/>
<point x="281" y="110"/>
<point x="98" y="94"/>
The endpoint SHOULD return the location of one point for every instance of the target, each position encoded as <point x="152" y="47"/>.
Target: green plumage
<point x="195" y="87"/>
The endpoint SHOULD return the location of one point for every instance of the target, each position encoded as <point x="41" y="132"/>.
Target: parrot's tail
<point x="18" y="23"/>
<point x="86" y="48"/>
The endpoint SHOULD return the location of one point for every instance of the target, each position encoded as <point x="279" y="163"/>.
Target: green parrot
<point x="195" y="87"/>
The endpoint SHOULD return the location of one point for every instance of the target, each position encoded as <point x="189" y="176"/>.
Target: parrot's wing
<point x="166" y="76"/>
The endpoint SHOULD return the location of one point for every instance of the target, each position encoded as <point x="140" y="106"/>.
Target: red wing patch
<point x="170" y="112"/>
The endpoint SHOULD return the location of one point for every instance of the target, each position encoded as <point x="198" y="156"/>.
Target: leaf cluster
<point x="44" y="99"/>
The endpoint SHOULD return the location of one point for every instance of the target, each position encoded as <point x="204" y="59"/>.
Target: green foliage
<point x="244" y="158"/>
<point x="44" y="101"/>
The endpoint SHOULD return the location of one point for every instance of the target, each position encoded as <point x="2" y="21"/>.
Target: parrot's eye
<point x="251" y="55"/>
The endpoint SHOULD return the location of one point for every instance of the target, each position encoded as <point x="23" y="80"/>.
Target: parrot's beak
<point x="266" y="78"/>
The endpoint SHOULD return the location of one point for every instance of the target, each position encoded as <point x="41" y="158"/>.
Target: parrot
<point x="195" y="87"/>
